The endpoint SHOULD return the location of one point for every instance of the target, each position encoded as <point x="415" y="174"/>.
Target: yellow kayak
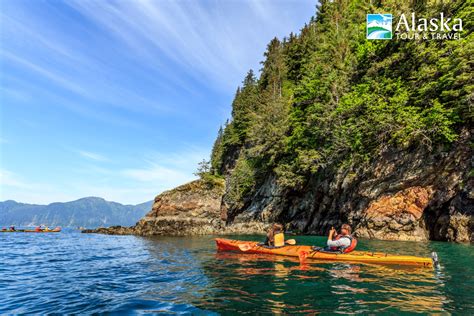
<point x="307" y="252"/>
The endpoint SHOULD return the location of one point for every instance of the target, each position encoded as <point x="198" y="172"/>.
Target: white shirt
<point x="341" y="242"/>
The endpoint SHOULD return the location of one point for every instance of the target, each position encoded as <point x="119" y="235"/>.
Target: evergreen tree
<point x="328" y="97"/>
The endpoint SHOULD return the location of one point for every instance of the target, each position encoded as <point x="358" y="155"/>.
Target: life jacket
<point x="279" y="240"/>
<point x="345" y="249"/>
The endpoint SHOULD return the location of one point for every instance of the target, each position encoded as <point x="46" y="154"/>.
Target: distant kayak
<point x="56" y="230"/>
<point x="306" y="252"/>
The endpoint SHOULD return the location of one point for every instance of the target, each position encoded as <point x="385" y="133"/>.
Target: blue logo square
<point x="379" y="26"/>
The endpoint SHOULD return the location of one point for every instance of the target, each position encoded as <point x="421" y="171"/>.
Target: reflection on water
<point x="74" y="273"/>
<point x="284" y="285"/>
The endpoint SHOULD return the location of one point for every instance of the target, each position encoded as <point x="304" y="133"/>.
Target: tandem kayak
<point x="308" y="253"/>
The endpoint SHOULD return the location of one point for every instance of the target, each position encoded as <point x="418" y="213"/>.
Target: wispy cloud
<point x="199" y="36"/>
<point x="157" y="173"/>
<point x="151" y="175"/>
<point x="166" y="170"/>
<point x="8" y="178"/>
<point x="71" y="66"/>
<point x="146" y="74"/>
<point x="60" y="80"/>
<point x="93" y="156"/>
<point x="15" y="186"/>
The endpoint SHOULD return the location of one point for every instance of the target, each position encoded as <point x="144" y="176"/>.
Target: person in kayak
<point x="275" y="236"/>
<point x="38" y="228"/>
<point x="339" y="243"/>
<point x="343" y="242"/>
<point x="12" y="228"/>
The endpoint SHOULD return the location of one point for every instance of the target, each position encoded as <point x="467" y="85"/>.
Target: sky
<point x="122" y="99"/>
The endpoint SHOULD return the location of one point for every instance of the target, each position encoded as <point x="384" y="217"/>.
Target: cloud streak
<point x="199" y="36"/>
<point x="92" y="156"/>
<point x="126" y="78"/>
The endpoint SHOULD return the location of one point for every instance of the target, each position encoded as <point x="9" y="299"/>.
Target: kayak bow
<point x="307" y="252"/>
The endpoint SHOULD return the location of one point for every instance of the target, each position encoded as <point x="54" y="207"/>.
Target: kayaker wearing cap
<point x="343" y="242"/>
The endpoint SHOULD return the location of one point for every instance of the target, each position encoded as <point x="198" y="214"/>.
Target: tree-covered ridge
<point x="328" y="97"/>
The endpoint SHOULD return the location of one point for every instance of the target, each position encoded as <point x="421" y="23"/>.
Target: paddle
<point x="247" y="247"/>
<point x="291" y="242"/>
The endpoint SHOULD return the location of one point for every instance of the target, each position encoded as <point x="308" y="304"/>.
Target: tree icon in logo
<point x="379" y="26"/>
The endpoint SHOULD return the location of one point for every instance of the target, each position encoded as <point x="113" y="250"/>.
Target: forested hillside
<point x="332" y="111"/>
<point x="340" y="129"/>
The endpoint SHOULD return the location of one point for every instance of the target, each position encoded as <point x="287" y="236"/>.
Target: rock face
<point x="190" y="209"/>
<point x="406" y="195"/>
<point x="414" y="195"/>
<point x="390" y="216"/>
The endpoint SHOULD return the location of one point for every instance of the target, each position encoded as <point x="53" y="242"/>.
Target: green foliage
<point x="268" y="131"/>
<point x="209" y="178"/>
<point x="329" y="98"/>
<point x="203" y="168"/>
<point x="212" y="181"/>
<point x="217" y="152"/>
<point x="241" y="181"/>
<point x="288" y="176"/>
<point x="245" y="102"/>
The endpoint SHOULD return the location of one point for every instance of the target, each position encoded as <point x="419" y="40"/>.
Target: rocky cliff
<point x="190" y="209"/>
<point x="337" y="128"/>
<point x="403" y="195"/>
<point x="408" y="195"/>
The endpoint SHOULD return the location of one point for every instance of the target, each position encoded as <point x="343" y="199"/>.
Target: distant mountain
<point x="86" y="212"/>
<point x="385" y="25"/>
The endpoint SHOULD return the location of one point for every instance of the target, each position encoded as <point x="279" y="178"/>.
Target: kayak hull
<point x="307" y="252"/>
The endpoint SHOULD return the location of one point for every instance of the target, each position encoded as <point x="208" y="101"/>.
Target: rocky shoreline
<point x="410" y="196"/>
<point x="190" y="209"/>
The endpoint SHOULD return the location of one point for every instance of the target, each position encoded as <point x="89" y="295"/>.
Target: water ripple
<point x="83" y="274"/>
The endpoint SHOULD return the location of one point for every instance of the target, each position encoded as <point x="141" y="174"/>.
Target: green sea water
<point x="78" y="273"/>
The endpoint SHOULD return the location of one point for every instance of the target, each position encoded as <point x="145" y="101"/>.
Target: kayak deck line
<point x="308" y="253"/>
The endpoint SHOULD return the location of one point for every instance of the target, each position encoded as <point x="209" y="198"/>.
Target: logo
<point x="434" y="28"/>
<point x="379" y="26"/>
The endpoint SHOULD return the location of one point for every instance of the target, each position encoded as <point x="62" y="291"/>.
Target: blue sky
<point x="122" y="99"/>
<point x="379" y="17"/>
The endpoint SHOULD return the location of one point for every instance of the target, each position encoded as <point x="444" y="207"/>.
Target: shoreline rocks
<point x="412" y="195"/>
<point x="190" y="209"/>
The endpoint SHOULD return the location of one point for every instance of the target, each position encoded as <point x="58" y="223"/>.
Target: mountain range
<point x="375" y="23"/>
<point x="85" y="212"/>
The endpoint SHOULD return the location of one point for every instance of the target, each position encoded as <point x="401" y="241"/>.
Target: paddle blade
<point x="244" y="247"/>
<point x="291" y="242"/>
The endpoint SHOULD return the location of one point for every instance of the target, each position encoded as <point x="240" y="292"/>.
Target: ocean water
<point x="70" y="272"/>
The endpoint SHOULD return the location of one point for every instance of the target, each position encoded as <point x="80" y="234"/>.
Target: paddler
<point x="341" y="243"/>
<point x="275" y="236"/>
